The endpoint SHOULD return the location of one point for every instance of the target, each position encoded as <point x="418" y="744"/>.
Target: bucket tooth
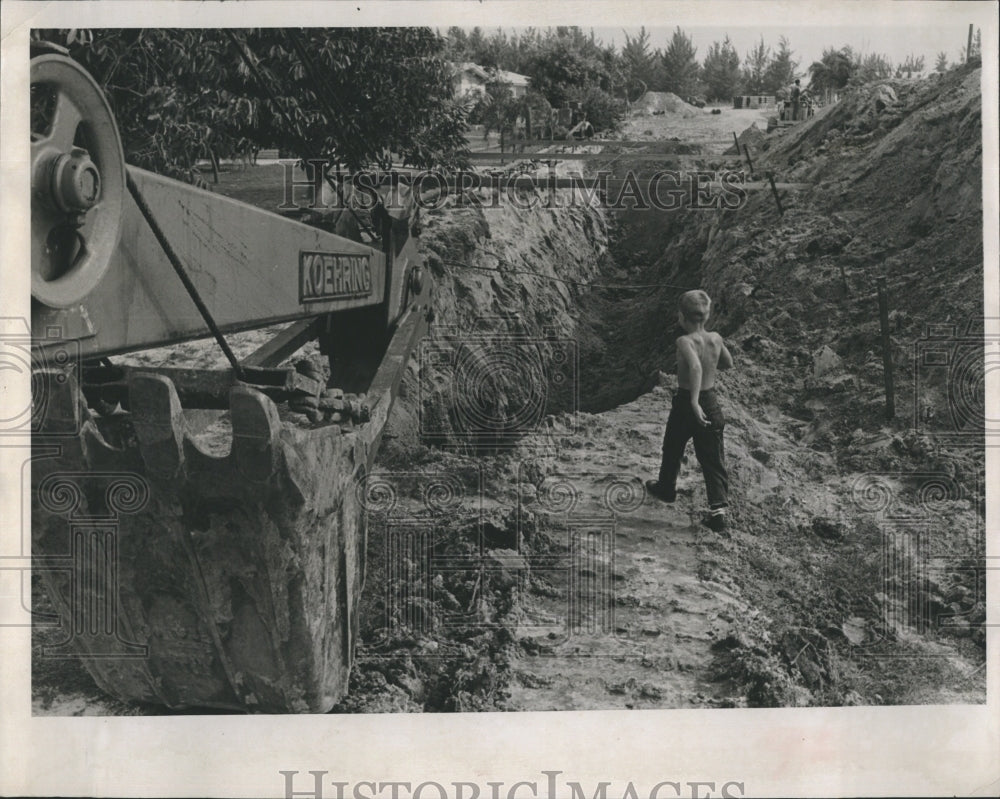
<point x="159" y="423"/>
<point x="256" y="427"/>
<point x="56" y="403"/>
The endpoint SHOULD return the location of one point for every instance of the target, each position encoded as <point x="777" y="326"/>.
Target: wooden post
<point x="883" y="313"/>
<point x="843" y="279"/>
<point x="746" y="152"/>
<point x="968" y="47"/>
<point x="215" y="165"/>
<point x="736" y="141"/>
<point x="774" y="191"/>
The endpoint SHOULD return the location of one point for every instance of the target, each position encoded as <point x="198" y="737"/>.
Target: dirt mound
<point x="912" y="146"/>
<point x="666" y="103"/>
<point x="895" y="192"/>
<point x="753" y="138"/>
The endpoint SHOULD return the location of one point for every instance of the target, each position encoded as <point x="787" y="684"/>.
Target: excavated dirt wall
<point x="504" y="350"/>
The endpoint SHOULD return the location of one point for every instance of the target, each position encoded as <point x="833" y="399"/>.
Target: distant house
<point x="518" y="83"/>
<point x="471" y="78"/>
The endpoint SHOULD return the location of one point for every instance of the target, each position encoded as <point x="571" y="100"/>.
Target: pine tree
<point x="833" y="70"/>
<point x="680" y="66"/>
<point x="457" y="43"/>
<point x="721" y="71"/>
<point x="475" y="44"/>
<point x="566" y="62"/>
<point x="872" y="67"/>
<point x="942" y="62"/>
<point x="754" y="66"/>
<point x="912" y="64"/>
<point x="780" y="70"/>
<point x="638" y="61"/>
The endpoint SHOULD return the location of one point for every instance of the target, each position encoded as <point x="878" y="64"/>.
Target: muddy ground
<point x="537" y="575"/>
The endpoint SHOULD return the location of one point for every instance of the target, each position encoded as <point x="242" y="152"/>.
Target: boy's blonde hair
<point x="695" y="305"/>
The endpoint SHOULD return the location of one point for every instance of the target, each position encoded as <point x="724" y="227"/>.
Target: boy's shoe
<point x="716" y="522"/>
<point x="661" y="492"/>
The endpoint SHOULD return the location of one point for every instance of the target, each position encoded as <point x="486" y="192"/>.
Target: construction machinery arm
<point x="101" y="276"/>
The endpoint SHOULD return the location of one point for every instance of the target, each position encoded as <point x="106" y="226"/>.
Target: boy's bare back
<point x="705" y="349"/>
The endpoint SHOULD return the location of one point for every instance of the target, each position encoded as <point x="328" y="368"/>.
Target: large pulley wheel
<point x="77" y="182"/>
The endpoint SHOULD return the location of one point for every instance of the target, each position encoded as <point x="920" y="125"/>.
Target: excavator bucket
<point x="217" y="570"/>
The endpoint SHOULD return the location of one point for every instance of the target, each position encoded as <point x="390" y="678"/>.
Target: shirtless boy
<point x="695" y="412"/>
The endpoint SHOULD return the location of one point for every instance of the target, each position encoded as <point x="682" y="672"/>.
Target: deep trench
<point x="785" y="275"/>
<point x="625" y="338"/>
<point x="629" y="333"/>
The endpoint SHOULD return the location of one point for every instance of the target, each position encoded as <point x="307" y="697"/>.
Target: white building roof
<point x="475" y="69"/>
<point x="513" y="78"/>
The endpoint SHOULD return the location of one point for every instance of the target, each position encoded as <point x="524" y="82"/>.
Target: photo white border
<point x="917" y="750"/>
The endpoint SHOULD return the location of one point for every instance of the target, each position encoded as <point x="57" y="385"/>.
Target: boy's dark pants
<point x="681" y="426"/>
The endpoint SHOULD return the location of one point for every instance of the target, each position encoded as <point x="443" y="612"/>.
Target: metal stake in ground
<point x="883" y="313"/>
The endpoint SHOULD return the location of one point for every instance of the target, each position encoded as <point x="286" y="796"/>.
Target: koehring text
<point x="326" y="276"/>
